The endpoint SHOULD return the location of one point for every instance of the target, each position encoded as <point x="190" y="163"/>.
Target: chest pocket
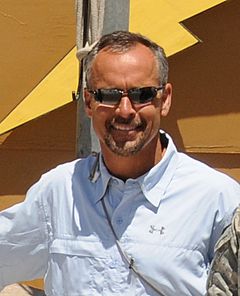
<point x="76" y="267"/>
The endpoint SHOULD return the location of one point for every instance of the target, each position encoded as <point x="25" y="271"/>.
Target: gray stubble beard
<point x="123" y="150"/>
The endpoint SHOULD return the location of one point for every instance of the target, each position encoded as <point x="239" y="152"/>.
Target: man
<point x="224" y="277"/>
<point x="137" y="219"/>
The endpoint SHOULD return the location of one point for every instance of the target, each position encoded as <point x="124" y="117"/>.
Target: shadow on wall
<point x="36" y="147"/>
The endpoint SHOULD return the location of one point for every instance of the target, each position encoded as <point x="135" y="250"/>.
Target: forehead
<point x="136" y="54"/>
<point x="129" y="67"/>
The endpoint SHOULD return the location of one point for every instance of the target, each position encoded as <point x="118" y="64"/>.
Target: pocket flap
<point x="78" y="247"/>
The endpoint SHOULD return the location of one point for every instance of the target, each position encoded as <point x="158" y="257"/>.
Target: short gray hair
<point x="122" y="41"/>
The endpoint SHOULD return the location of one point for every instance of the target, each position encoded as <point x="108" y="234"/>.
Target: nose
<point x="125" y="108"/>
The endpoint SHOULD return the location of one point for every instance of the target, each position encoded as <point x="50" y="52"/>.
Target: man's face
<point x="126" y="128"/>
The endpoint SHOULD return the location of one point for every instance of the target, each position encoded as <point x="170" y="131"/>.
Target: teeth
<point x="124" y="128"/>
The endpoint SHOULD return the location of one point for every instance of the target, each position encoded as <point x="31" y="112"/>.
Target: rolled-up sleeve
<point x="23" y="240"/>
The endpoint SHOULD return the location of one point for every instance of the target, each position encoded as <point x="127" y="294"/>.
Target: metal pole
<point x="83" y="122"/>
<point x="116" y="17"/>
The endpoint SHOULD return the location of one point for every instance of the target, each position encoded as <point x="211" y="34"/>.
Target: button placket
<point x="120" y="217"/>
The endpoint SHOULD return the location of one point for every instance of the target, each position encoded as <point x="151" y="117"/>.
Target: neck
<point x="136" y="165"/>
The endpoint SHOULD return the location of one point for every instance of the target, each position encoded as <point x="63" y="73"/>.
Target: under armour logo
<point x="153" y="229"/>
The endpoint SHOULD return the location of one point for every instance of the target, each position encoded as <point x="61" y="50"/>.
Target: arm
<point x="223" y="277"/>
<point x="23" y="240"/>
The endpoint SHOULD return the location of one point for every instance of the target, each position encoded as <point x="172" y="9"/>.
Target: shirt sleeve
<point x="23" y="240"/>
<point x="223" y="277"/>
<point x="227" y="203"/>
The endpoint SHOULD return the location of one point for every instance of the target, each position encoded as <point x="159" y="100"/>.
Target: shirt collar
<point x="101" y="178"/>
<point x="153" y="184"/>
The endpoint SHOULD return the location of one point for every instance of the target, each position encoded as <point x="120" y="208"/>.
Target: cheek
<point x="100" y="117"/>
<point x="98" y="126"/>
<point x="151" y="114"/>
<point x="153" y="123"/>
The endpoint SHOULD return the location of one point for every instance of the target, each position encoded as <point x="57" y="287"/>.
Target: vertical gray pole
<point x="116" y="17"/>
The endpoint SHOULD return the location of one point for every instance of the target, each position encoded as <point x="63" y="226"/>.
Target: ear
<point x="166" y="99"/>
<point x="87" y="101"/>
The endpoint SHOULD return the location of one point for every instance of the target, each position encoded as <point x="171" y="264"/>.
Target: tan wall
<point x="33" y="149"/>
<point x="205" y="116"/>
<point x="35" y="36"/>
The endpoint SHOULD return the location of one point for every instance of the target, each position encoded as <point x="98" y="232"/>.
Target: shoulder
<point x="202" y="172"/>
<point x="65" y="174"/>
<point x="78" y="167"/>
<point x="216" y="190"/>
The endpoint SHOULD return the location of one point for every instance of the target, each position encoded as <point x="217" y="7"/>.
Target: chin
<point x="126" y="149"/>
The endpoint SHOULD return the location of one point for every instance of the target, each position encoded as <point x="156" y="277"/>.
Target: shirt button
<point x="119" y="220"/>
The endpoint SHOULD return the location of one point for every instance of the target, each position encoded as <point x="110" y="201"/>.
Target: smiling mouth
<point x="125" y="127"/>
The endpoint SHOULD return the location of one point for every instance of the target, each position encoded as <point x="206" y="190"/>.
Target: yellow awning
<point x="160" y="21"/>
<point x="53" y="91"/>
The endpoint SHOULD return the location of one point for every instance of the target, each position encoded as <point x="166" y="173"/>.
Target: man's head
<point x="122" y="41"/>
<point x="127" y="92"/>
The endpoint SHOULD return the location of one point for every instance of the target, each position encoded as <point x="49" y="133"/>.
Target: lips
<point x="123" y="133"/>
<point x="125" y="127"/>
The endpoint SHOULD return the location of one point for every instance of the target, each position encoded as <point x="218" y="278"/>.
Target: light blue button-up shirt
<point x="167" y="221"/>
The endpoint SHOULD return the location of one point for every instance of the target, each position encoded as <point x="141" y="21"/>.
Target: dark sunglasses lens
<point x="142" y="95"/>
<point x="109" y="96"/>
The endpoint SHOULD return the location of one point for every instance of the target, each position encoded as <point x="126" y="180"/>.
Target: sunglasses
<point x="112" y="96"/>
